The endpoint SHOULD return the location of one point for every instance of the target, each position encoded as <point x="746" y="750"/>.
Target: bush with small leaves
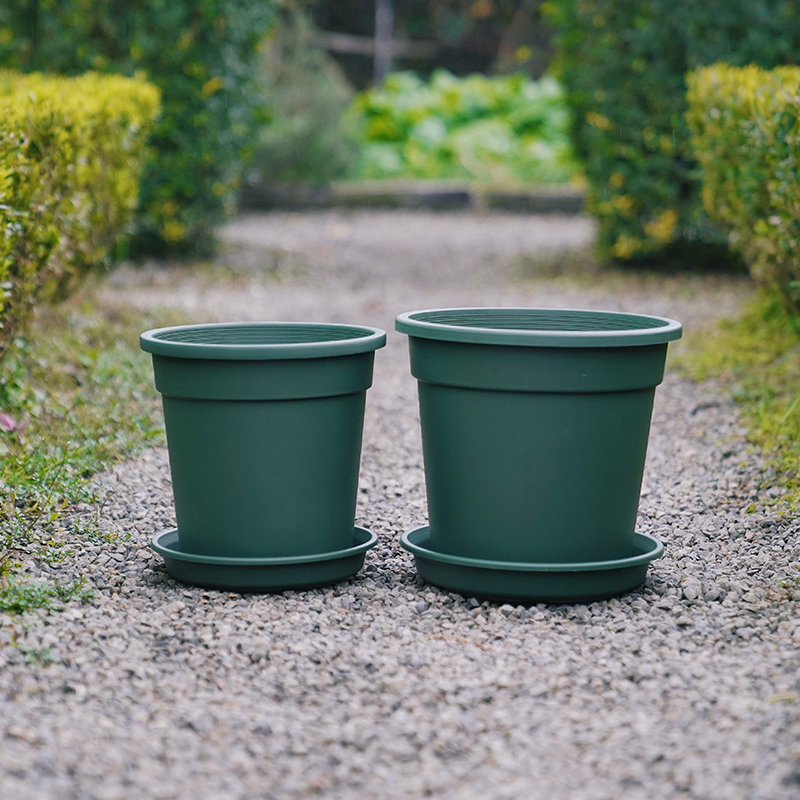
<point x="71" y="156"/>
<point x="203" y="56"/>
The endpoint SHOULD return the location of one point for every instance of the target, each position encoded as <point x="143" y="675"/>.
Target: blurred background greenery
<point x="498" y="92"/>
<point x="310" y="91"/>
<point x="461" y="100"/>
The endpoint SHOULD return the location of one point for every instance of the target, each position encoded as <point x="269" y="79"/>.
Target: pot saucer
<point x="520" y="582"/>
<point x="263" y="574"/>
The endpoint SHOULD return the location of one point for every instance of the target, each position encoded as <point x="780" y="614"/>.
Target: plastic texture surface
<point x="262" y="340"/>
<point x="264" y="454"/>
<point x="535" y="453"/>
<point x="521" y="582"/>
<point x="263" y="574"/>
<point x="542" y="327"/>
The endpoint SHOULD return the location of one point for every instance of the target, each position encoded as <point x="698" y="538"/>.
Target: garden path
<point x="384" y="687"/>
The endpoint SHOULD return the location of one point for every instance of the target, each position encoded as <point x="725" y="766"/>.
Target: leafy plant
<point x="202" y="54"/>
<point x="758" y="357"/>
<point x="76" y="396"/>
<point x="746" y="137"/>
<point x="505" y="129"/>
<point x="624" y="63"/>
<point x="17" y="595"/>
<point x="71" y="155"/>
<point x="305" y="140"/>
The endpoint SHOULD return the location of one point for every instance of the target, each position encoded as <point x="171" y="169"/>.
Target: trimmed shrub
<point x="71" y="153"/>
<point x="623" y="63"/>
<point x="202" y="54"/>
<point x="745" y="125"/>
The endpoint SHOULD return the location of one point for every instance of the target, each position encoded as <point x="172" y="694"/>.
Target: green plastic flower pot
<point x="534" y="429"/>
<point x="264" y="425"/>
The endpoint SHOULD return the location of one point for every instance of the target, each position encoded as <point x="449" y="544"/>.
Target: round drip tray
<point x="262" y="574"/>
<point x="520" y="582"/>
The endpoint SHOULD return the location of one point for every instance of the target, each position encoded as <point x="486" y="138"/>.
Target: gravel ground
<point x="384" y="687"/>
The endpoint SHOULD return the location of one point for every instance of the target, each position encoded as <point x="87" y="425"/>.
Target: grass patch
<point x="76" y="395"/>
<point x="17" y="595"/>
<point x="758" y="357"/>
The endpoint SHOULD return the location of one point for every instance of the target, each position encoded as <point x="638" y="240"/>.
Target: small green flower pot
<point x="264" y="425"/>
<point x="534" y="428"/>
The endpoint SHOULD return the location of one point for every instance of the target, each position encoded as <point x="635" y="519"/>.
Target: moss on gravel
<point x="757" y="357"/>
<point x="76" y="396"/>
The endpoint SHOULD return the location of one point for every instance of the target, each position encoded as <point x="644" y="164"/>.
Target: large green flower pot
<point x="534" y="428"/>
<point x="264" y="424"/>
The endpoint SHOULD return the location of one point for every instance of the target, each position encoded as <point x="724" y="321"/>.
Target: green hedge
<point x="71" y="154"/>
<point x="202" y="54"/>
<point x="746" y="135"/>
<point x="623" y="63"/>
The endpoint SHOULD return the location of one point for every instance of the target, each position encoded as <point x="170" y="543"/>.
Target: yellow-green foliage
<point x="71" y="153"/>
<point x="745" y="125"/>
<point x="202" y="54"/>
<point x="758" y="356"/>
<point x="624" y="64"/>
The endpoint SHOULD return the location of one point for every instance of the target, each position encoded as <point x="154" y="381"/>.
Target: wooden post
<point x="384" y="24"/>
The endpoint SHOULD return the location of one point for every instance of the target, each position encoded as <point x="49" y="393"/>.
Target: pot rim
<point x="262" y="341"/>
<point x="538" y="327"/>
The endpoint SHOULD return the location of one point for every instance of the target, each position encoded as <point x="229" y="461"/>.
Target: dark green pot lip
<point x="542" y="327"/>
<point x="262" y="341"/>
<point x="417" y="541"/>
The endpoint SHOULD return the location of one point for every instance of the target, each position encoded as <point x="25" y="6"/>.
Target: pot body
<point x="264" y="452"/>
<point x="534" y="453"/>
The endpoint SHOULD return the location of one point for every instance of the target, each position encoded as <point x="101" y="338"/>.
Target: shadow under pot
<point x="534" y="428"/>
<point x="264" y="425"/>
